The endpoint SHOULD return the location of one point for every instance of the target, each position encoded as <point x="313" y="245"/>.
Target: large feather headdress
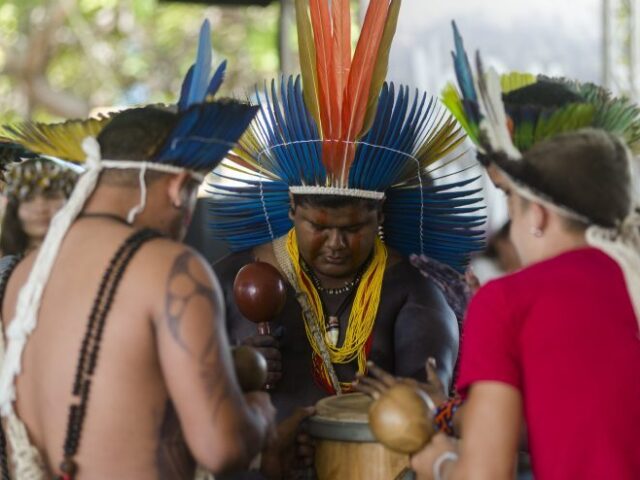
<point x="508" y="114"/>
<point x="340" y="129"/>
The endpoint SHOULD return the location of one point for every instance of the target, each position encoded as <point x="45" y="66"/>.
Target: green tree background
<point x="67" y="58"/>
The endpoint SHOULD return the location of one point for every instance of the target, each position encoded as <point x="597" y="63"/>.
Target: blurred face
<point x="524" y="242"/>
<point x="335" y="242"/>
<point x="35" y="213"/>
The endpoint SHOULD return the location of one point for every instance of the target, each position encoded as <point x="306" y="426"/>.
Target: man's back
<point x="163" y="346"/>
<point x="128" y="431"/>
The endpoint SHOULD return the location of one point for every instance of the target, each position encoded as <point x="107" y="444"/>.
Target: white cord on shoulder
<point x="30" y="296"/>
<point x="437" y="465"/>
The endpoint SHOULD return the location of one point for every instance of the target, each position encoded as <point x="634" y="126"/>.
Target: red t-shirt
<point x="563" y="332"/>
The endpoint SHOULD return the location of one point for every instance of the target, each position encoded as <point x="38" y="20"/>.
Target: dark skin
<point x="413" y="320"/>
<point x="335" y="243"/>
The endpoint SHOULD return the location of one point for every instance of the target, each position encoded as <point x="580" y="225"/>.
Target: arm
<point x="491" y="407"/>
<point x="425" y="327"/>
<point x="223" y="428"/>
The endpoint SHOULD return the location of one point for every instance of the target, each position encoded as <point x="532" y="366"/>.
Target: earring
<point x="536" y="232"/>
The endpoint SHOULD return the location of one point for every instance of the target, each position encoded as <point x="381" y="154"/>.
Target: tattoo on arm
<point x="182" y="287"/>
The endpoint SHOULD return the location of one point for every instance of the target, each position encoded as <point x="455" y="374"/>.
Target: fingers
<point x="362" y="387"/>
<point x="262" y="341"/>
<point x="305" y="450"/>
<point x="386" y="378"/>
<point x="432" y="374"/>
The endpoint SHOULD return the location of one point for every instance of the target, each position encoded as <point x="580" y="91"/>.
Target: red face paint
<point x="335" y="242"/>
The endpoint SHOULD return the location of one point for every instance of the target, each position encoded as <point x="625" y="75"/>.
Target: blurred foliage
<point x="103" y="53"/>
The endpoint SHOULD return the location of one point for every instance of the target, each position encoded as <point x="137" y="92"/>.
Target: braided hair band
<point x="30" y="297"/>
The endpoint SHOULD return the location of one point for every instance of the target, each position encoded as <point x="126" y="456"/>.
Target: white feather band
<point x="336" y="191"/>
<point x="26" y="317"/>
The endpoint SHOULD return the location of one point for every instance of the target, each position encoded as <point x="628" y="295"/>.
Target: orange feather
<point x="356" y="97"/>
<point x="341" y="16"/>
<point x="323" y="40"/>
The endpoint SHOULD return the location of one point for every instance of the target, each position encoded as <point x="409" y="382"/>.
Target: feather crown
<point x="512" y="112"/>
<point x="204" y="131"/>
<point x="339" y="129"/>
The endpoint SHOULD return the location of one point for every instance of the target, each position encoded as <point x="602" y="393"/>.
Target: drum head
<point x="343" y="418"/>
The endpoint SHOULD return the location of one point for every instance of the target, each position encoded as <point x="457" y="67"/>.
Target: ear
<point x="539" y="216"/>
<point x="175" y="186"/>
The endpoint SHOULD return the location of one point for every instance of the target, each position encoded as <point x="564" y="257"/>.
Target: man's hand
<point x="423" y="462"/>
<point x="378" y="381"/>
<point x="268" y="346"/>
<point x="292" y="449"/>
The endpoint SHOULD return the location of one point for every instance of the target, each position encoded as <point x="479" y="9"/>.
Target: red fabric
<point x="563" y="332"/>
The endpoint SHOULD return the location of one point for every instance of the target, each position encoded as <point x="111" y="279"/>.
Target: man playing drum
<point x="332" y="187"/>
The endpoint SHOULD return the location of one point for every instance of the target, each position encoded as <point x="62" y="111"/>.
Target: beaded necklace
<point x="358" y="334"/>
<point x="4" y="280"/>
<point x="90" y="346"/>
<point x="332" y="320"/>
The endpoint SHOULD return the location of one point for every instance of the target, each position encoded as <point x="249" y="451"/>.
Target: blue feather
<point x="217" y="79"/>
<point x="202" y="68"/>
<point x="462" y="67"/>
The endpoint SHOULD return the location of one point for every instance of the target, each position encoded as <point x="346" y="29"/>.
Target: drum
<point x="346" y="448"/>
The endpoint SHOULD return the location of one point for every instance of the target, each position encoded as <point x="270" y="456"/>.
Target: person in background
<point x="35" y="190"/>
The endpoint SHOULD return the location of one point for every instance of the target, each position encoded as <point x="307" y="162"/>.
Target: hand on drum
<point x="377" y="381"/>
<point x="268" y="346"/>
<point x="291" y="450"/>
<point x="436" y="460"/>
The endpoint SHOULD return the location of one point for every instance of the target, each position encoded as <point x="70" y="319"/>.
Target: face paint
<point x="335" y="242"/>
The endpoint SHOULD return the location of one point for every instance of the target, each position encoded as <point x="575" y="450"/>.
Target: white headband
<point x="26" y="316"/>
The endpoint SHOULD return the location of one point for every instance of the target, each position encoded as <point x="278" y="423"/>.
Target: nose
<point x="336" y="239"/>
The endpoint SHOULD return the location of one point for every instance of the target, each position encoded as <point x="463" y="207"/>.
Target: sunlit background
<point x="71" y="58"/>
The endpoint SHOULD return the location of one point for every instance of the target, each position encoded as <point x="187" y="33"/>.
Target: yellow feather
<point x="382" y="65"/>
<point x="514" y="80"/>
<point x="61" y="140"/>
<point x="307" y="53"/>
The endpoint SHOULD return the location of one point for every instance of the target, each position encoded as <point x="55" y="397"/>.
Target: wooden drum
<point x="346" y="448"/>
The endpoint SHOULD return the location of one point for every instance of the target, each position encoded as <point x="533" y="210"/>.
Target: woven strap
<point x="284" y="262"/>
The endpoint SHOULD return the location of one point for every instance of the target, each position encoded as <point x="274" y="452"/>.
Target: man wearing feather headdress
<point x="114" y="361"/>
<point x="336" y="188"/>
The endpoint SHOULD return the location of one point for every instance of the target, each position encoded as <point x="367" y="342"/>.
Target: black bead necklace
<point x="4" y="280"/>
<point x="90" y="346"/>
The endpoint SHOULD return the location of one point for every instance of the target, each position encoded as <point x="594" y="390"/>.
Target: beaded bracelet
<point x="443" y="418"/>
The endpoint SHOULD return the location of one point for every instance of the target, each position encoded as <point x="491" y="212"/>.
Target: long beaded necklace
<point x="4" y="280"/>
<point x="90" y="346"/>
<point x="332" y="321"/>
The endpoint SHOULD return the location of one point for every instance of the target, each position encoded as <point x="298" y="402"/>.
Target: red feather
<point x="341" y="16"/>
<point x="354" y="106"/>
<point x="329" y="112"/>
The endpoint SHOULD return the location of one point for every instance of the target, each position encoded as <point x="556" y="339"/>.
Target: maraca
<point x="402" y="418"/>
<point x="251" y="368"/>
<point x="260" y="294"/>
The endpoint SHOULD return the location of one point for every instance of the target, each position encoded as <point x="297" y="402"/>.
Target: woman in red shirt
<point x="559" y="341"/>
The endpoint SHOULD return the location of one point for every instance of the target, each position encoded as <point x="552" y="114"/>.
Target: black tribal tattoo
<point x="176" y="302"/>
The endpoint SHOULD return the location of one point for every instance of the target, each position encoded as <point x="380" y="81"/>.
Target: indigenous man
<point x="338" y="210"/>
<point x="134" y="382"/>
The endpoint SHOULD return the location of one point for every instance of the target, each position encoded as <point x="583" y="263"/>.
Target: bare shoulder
<point x="393" y="257"/>
<point x="161" y="256"/>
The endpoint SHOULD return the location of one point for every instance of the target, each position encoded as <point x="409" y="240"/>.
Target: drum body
<point x="346" y="448"/>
